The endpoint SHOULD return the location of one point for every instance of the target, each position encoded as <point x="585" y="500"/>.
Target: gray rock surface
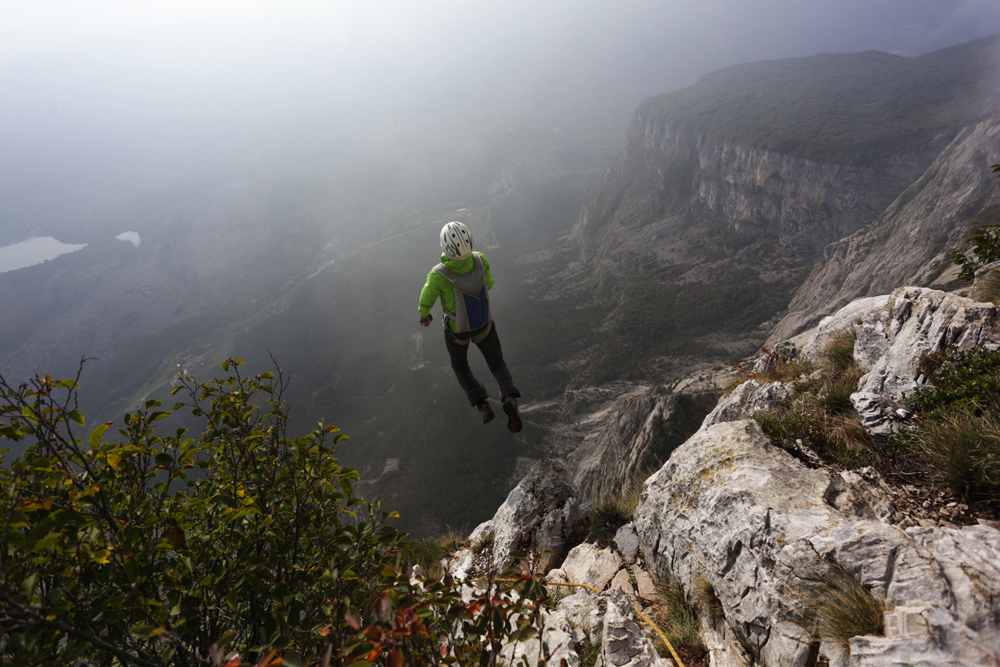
<point x="623" y="638"/>
<point x="542" y="513"/>
<point x="608" y="460"/>
<point x="850" y="316"/>
<point x="588" y="564"/>
<point x="733" y="509"/>
<point x="748" y="400"/>
<point x="626" y="542"/>
<point x="913" y="323"/>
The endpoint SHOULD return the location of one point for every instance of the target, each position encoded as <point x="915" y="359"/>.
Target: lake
<point x="33" y="251"/>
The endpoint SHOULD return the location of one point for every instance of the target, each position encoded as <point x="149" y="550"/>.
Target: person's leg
<point x="474" y="389"/>
<point x="490" y="347"/>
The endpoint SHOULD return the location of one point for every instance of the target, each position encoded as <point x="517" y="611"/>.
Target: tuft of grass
<point x="485" y="542"/>
<point x="961" y="450"/>
<point x="611" y="512"/>
<point x="704" y="594"/>
<point x="589" y="652"/>
<point x="838" y="355"/>
<point x="784" y="370"/>
<point x="840" y="438"/>
<point x="842" y="608"/>
<point x="988" y="289"/>
<point x="428" y="552"/>
<point x="835" y="394"/>
<point x="679" y="622"/>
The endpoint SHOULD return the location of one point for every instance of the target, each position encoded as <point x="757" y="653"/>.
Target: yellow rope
<point x="666" y="641"/>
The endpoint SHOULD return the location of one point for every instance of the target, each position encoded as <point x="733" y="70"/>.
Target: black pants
<point x="490" y="347"/>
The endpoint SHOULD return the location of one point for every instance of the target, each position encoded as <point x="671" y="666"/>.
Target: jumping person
<point x="462" y="281"/>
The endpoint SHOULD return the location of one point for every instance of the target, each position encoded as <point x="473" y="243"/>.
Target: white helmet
<point x="456" y="240"/>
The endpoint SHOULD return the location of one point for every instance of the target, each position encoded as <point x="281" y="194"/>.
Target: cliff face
<point x="732" y="190"/>
<point x="910" y="242"/>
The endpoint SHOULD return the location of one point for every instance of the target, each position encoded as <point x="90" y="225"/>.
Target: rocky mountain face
<point x="748" y="206"/>
<point x="761" y="528"/>
<point x="668" y="177"/>
<point x="703" y="206"/>
<point x="909" y="242"/>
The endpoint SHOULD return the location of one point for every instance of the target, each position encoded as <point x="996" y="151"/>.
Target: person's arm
<point x="489" y="276"/>
<point x="428" y="297"/>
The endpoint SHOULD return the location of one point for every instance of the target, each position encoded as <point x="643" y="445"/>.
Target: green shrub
<point x="959" y="379"/>
<point x="589" y="652"/>
<point x="985" y="242"/>
<point x="238" y="545"/>
<point x="835" y="394"/>
<point x="428" y="552"/>
<point x="484" y="542"/>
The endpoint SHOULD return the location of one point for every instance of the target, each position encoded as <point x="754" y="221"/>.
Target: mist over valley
<point x="285" y="175"/>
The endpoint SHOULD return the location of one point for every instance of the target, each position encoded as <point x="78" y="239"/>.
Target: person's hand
<point x="426" y="321"/>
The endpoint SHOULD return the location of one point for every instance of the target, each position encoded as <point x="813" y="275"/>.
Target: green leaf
<point x="77" y="417"/>
<point x="143" y="630"/>
<point x="231" y="599"/>
<point x="98" y="433"/>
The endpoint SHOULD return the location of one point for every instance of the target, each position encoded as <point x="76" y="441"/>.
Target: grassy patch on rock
<point x="841" y="608"/>
<point x="678" y="619"/>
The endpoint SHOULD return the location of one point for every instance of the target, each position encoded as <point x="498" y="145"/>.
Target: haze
<point x="102" y="98"/>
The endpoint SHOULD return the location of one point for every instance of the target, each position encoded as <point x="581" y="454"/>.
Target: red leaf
<point x="352" y="618"/>
<point x="395" y="659"/>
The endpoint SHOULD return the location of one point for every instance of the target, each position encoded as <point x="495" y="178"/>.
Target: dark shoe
<point x="513" y="419"/>
<point x="486" y="411"/>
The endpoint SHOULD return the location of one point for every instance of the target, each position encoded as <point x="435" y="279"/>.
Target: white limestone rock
<point x="814" y="341"/>
<point x="623" y="638"/>
<point x="588" y="564"/>
<point x="748" y="400"/>
<point x="754" y="522"/>
<point x="913" y="323"/>
<point x="542" y="513"/>
<point x="626" y="542"/>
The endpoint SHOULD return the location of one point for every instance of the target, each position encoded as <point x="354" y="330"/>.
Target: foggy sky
<point x="100" y="91"/>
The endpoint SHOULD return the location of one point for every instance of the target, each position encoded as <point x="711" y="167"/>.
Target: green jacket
<point x="437" y="286"/>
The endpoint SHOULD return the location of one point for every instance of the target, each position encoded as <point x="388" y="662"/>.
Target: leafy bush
<point x="171" y="549"/>
<point x="970" y="378"/>
<point x="957" y="442"/>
